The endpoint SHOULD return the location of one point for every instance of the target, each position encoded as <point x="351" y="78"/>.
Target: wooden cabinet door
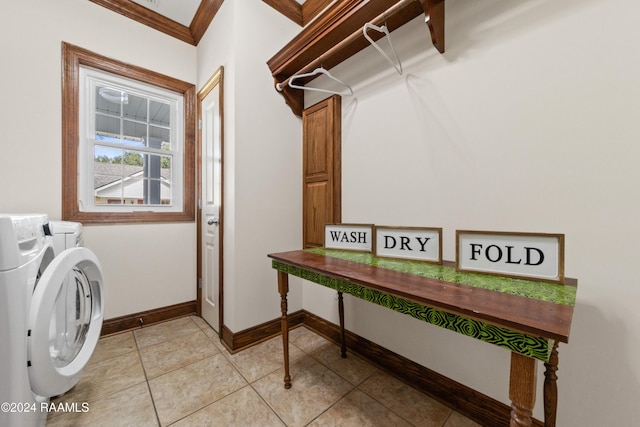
<point x="321" y="163"/>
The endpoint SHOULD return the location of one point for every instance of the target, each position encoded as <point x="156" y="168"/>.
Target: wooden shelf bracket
<point x="434" y="18"/>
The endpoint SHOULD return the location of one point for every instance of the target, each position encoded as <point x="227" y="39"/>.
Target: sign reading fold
<point x="522" y="255"/>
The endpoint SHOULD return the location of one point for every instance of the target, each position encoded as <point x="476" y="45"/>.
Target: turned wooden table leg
<point x="522" y="389"/>
<point x="343" y="343"/>
<point x="283" y="288"/>
<point x="551" y="388"/>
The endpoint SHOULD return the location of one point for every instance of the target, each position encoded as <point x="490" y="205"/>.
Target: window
<point x="130" y="151"/>
<point x="128" y="142"/>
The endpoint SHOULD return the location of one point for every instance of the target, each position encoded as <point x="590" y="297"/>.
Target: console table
<point x="527" y="317"/>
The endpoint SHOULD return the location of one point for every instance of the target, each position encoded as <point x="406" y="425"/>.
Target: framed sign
<point x="522" y="255"/>
<point x="415" y="243"/>
<point x="352" y="237"/>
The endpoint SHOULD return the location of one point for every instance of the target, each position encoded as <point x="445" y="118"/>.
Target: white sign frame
<point x="352" y="234"/>
<point x="502" y="254"/>
<point x="410" y="243"/>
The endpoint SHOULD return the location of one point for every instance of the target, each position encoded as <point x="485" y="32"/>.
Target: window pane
<point x="109" y="100"/>
<point x="166" y="168"/>
<point x="159" y="138"/>
<point x="133" y="162"/>
<point x="118" y="176"/>
<point x="136" y="108"/>
<point x="134" y="133"/>
<point x="166" y="174"/>
<point x="166" y="193"/>
<point x="107" y="126"/>
<point x="107" y="156"/>
<point x="133" y="190"/>
<point x="152" y="169"/>
<point x="107" y="177"/>
<point x="108" y="189"/>
<point x="159" y="113"/>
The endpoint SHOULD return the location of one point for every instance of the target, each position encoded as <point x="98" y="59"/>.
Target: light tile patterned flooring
<point x="177" y="373"/>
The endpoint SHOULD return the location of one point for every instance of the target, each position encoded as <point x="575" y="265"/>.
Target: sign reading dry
<point x="417" y="243"/>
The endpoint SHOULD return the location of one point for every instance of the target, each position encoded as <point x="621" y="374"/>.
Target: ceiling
<point x="188" y="20"/>
<point x="181" y="11"/>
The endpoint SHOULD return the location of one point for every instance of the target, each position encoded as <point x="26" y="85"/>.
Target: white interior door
<point x="211" y="197"/>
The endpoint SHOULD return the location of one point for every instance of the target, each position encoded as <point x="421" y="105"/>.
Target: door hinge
<point x="199" y="203"/>
<point x="200" y="283"/>
<point x="200" y="124"/>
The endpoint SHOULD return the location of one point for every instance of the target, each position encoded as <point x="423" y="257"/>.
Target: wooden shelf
<point x="315" y="44"/>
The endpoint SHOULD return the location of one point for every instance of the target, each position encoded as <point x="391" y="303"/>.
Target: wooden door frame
<point x="217" y="79"/>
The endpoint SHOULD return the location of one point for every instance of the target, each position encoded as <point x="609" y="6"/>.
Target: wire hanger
<point x="320" y="70"/>
<point x="385" y="31"/>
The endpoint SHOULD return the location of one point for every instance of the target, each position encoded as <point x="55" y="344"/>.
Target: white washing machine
<point x="66" y="234"/>
<point x="43" y="353"/>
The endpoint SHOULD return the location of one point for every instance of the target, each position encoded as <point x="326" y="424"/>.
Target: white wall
<point x="263" y="152"/>
<point x="528" y="122"/>
<point x="145" y="266"/>
<point x="154" y="265"/>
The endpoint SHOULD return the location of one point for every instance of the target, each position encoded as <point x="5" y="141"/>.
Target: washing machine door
<point x="64" y="321"/>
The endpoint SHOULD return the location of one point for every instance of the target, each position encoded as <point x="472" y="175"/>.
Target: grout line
<point x="134" y="348"/>
<point x="340" y="399"/>
<point x="228" y="358"/>
<point x="444" y="424"/>
<point x="218" y="351"/>
<point x="153" y="402"/>
<point x="181" y="366"/>
<point x="205" y="407"/>
<point x="267" y="403"/>
<point x="144" y="371"/>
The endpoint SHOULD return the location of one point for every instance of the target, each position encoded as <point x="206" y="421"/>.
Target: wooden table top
<point x="533" y="307"/>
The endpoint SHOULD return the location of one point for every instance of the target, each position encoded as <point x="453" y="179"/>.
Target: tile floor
<point x="178" y="374"/>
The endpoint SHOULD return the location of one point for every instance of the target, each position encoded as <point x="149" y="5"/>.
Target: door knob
<point x="212" y="221"/>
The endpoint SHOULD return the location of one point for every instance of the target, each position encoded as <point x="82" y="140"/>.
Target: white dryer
<point x="43" y="353"/>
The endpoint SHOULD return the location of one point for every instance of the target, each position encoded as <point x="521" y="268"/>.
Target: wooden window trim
<point x="72" y="58"/>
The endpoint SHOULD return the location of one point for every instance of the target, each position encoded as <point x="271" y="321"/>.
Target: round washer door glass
<point x="64" y="321"/>
<point x="70" y="319"/>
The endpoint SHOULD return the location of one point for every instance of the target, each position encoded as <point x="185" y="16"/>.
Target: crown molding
<point x="192" y="34"/>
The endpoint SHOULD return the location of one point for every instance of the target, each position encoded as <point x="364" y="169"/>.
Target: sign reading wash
<point x="525" y="255"/>
<point x="355" y="237"/>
